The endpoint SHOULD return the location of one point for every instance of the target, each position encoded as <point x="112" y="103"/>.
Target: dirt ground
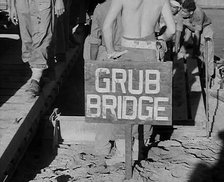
<point x="180" y="159"/>
<point x="184" y="160"/>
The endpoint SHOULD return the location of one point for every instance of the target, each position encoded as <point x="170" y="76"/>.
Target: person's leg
<point x="42" y="28"/>
<point x="25" y="30"/>
<point x="42" y="23"/>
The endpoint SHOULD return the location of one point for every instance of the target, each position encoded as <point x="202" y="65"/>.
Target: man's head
<point x="175" y="6"/>
<point x="188" y="8"/>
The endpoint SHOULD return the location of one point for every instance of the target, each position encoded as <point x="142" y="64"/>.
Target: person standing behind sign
<point x="36" y="23"/>
<point x="96" y="39"/>
<point x="139" y="19"/>
<point x="106" y="133"/>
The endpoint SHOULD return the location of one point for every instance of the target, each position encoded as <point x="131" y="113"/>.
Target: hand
<point x="13" y="16"/>
<point x="115" y="54"/>
<point x="183" y="55"/>
<point x="59" y="7"/>
<point x="162" y="49"/>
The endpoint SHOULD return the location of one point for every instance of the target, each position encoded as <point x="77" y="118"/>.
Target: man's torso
<point x="143" y="15"/>
<point x="198" y="21"/>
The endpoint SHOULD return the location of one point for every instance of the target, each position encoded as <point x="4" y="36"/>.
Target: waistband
<point x="138" y="43"/>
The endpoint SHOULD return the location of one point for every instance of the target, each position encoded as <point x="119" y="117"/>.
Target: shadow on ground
<point x="210" y="173"/>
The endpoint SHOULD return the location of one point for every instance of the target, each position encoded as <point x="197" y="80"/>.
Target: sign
<point x="128" y="92"/>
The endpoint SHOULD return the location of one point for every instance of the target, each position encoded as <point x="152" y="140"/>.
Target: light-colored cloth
<point x="139" y="44"/>
<point x="175" y="3"/>
<point x="137" y="53"/>
<point x="36" y="22"/>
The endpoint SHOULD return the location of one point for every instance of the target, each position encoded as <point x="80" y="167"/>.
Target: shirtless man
<point x="139" y="18"/>
<point x="138" y="42"/>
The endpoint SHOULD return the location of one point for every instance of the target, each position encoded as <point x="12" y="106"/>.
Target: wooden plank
<point x="180" y="109"/>
<point x="195" y="93"/>
<point x="128" y="92"/>
<point x="11" y="92"/>
<point x="19" y="135"/>
<point x="128" y="151"/>
<point x="14" y="99"/>
<point x="13" y="114"/>
<point x="216" y="108"/>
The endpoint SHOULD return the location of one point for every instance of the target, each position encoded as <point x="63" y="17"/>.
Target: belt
<point x="141" y="44"/>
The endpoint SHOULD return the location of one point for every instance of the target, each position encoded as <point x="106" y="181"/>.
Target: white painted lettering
<point x="109" y="102"/>
<point x="129" y="111"/>
<point x="131" y="80"/>
<point x="121" y="80"/>
<point x="93" y="103"/>
<point x="148" y="108"/>
<point x="158" y="108"/>
<point x="106" y="89"/>
<point x="155" y="83"/>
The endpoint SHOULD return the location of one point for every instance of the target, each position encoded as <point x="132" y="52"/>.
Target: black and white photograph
<point x="111" y="90"/>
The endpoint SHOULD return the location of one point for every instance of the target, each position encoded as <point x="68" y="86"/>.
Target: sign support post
<point x="128" y="151"/>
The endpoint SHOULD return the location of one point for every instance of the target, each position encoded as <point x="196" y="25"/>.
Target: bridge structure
<point x="20" y="117"/>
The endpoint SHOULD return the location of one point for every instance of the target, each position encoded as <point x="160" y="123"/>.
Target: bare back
<point x="139" y="17"/>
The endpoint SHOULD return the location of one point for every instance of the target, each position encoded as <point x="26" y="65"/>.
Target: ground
<point x="185" y="160"/>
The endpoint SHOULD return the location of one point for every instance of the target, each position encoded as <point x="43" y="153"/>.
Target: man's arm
<point x="115" y="8"/>
<point x="94" y="48"/>
<point x="177" y="41"/>
<point x="168" y="18"/>
<point x="198" y="21"/>
<point x="12" y="13"/>
<point x="179" y="30"/>
<point x="95" y="34"/>
<point x="197" y="40"/>
<point x="59" y="7"/>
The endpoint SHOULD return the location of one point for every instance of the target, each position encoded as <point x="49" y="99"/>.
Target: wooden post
<point x="207" y="85"/>
<point x="128" y="151"/>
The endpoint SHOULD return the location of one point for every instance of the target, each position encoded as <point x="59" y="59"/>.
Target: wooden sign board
<point x="128" y="92"/>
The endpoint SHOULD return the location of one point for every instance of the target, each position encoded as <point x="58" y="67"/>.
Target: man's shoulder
<point x="164" y="2"/>
<point x="102" y="7"/>
<point x="178" y="17"/>
<point x="198" y="15"/>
